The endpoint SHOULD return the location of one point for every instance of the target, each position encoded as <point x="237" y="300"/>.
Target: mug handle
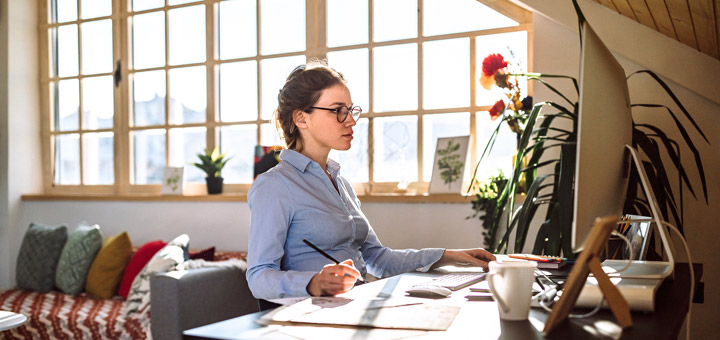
<point x="491" y="284"/>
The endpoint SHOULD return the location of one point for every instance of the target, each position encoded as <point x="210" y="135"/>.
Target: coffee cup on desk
<point x="511" y="285"/>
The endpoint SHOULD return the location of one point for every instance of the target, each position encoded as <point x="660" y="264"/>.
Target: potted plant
<point x="212" y="163"/>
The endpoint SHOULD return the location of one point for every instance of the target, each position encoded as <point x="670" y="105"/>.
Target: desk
<point x="480" y="319"/>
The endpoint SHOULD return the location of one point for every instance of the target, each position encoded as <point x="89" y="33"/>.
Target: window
<point x="130" y="87"/>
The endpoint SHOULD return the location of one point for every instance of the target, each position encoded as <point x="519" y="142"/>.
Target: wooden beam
<point x="682" y="21"/>
<point x="703" y="18"/>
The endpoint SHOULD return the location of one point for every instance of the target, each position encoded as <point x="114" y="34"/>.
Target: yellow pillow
<point x="107" y="269"/>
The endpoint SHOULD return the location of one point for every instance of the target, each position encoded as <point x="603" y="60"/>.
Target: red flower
<point x="492" y="64"/>
<point x="497" y="109"/>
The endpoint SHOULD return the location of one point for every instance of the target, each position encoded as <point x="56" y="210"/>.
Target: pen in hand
<point x="314" y="247"/>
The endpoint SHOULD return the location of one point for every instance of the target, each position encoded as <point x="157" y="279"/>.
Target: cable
<point x="692" y="276"/>
<point x="632" y="253"/>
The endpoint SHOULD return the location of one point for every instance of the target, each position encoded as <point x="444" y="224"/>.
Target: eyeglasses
<point x="342" y="112"/>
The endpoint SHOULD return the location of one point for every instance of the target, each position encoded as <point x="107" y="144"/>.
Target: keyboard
<point x="456" y="281"/>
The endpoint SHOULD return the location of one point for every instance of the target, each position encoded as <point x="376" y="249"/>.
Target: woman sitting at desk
<point x="305" y="197"/>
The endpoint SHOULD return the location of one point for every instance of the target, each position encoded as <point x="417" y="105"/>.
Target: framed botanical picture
<point x="449" y="165"/>
<point x="172" y="183"/>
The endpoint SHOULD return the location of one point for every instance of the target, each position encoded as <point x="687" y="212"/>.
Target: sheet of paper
<point x="342" y="333"/>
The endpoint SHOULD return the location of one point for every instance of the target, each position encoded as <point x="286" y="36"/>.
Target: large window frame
<point x="316" y="47"/>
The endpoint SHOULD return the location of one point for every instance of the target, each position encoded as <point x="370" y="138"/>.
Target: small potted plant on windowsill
<point x="212" y="163"/>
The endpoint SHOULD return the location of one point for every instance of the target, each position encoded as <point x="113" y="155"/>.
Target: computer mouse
<point x="426" y="291"/>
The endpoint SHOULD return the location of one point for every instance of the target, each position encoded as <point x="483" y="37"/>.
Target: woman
<point x="305" y="197"/>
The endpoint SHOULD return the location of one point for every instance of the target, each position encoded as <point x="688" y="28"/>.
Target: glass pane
<point x="179" y="2"/>
<point x="239" y="142"/>
<point x="513" y="47"/>
<point x="446" y="73"/>
<point x="67" y="105"/>
<point x="67" y="51"/>
<point x="98" y="163"/>
<point x="185" y="144"/>
<point x="149" y="40"/>
<point x="98" y="102"/>
<point x="149" y="98"/>
<point x="95" y="8"/>
<point x="290" y="36"/>
<point x="238" y="91"/>
<point x="347" y="22"/>
<point x="141" y="5"/>
<point x="67" y="159"/>
<point x="437" y="126"/>
<point x="394" y="20"/>
<point x="396" y="78"/>
<point x="148" y="156"/>
<point x="97" y="47"/>
<point x="395" y="144"/>
<point x="353" y="64"/>
<point x="237" y="29"/>
<point x="187" y="35"/>
<point x="65" y="10"/>
<point x="354" y="162"/>
<point x="269" y="135"/>
<point x="273" y="74"/>
<point x="502" y="152"/>
<point x="188" y="95"/>
<point x="445" y="17"/>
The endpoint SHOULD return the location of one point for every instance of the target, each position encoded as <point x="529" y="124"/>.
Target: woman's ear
<point x="299" y="119"/>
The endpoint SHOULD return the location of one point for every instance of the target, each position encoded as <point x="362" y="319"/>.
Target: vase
<point x="214" y="185"/>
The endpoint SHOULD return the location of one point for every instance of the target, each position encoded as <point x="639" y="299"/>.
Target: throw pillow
<point x="76" y="258"/>
<point x="107" y="269"/>
<point x="205" y="254"/>
<point x="38" y="257"/>
<point x="141" y="257"/>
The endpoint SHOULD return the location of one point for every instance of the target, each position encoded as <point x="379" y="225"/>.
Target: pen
<point x="314" y="247"/>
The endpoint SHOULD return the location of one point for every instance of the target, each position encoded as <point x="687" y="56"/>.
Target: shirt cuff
<point x="430" y="256"/>
<point x="299" y="283"/>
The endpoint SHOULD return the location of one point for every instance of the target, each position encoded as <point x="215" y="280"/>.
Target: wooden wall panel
<point x="662" y="18"/>
<point x="703" y="18"/>
<point x="624" y="8"/>
<point x="680" y="16"/>
<point x="642" y="13"/>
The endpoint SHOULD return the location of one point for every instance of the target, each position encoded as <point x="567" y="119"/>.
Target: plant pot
<point x="214" y="185"/>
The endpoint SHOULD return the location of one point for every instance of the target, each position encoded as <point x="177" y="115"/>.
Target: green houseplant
<point x="212" y="164"/>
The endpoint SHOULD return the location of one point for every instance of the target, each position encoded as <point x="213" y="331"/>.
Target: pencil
<point x="314" y="247"/>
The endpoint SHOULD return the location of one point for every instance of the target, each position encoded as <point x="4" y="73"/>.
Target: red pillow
<point x="141" y="257"/>
<point x="205" y="254"/>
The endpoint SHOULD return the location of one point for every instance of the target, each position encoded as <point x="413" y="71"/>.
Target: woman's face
<point x="323" y="131"/>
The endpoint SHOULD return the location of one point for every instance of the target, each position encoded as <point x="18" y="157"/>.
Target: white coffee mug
<point x="511" y="284"/>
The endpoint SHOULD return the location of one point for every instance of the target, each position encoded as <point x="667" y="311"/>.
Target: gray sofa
<point x="186" y="299"/>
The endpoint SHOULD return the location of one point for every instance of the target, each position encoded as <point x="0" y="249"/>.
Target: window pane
<point x="95" y="8"/>
<point x="188" y="95"/>
<point x="67" y="105"/>
<point x="237" y="29"/>
<point x="395" y="144"/>
<point x="354" y="162"/>
<point x="66" y="44"/>
<point x="505" y="146"/>
<point x="353" y="64"/>
<point x="446" y="73"/>
<point x="396" y="78"/>
<point x="291" y="38"/>
<point x="148" y="156"/>
<point x="394" y="20"/>
<point x="98" y="164"/>
<point x="187" y="35"/>
<point x="347" y="22"/>
<point x="98" y="102"/>
<point x="273" y="74"/>
<point x="513" y="47"/>
<point x="269" y="135"/>
<point x="97" y="49"/>
<point x="185" y="144"/>
<point x="239" y="142"/>
<point x="238" y="91"/>
<point x="444" y="17"/>
<point x="149" y="98"/>
<point x="141" y="5"/>
<point x="438" y="126"/>
<point x="67" y="159"/>
<point x="179" y="2"/>
<point x="65" y="10"/>
<point x="148" y="40"/>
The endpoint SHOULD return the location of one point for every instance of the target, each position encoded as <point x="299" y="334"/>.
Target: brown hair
<point x="301" y="91"/>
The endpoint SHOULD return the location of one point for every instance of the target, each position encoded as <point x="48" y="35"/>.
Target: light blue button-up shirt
<point x="296" y="200"/>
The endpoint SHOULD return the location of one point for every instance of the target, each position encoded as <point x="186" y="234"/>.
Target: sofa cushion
<point x="77" y="256"/>
<point x="107" y="269"/>
<point x="205" y="254"/>
<point x="141" y="257"/>
<point x="38" y="257"/>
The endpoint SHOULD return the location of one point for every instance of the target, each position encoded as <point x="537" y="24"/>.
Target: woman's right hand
<point x="334" y="279"/>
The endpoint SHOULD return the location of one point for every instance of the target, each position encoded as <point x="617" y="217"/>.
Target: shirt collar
<point x="301" y="162"/>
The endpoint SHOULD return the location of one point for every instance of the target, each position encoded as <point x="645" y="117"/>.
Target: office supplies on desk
<point x="428" y="291"/>
<point x="456" y="281"/>
<point x="314" y="247"/>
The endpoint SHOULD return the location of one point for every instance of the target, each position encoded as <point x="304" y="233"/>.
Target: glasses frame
<point x="353" y="111"/>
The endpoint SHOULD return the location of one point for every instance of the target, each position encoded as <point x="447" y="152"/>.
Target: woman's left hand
<point x="477" y="257"/>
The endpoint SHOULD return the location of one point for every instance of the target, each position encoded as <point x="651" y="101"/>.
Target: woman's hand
<point x="334" y="279"/>
<point x="465" y="257"/>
